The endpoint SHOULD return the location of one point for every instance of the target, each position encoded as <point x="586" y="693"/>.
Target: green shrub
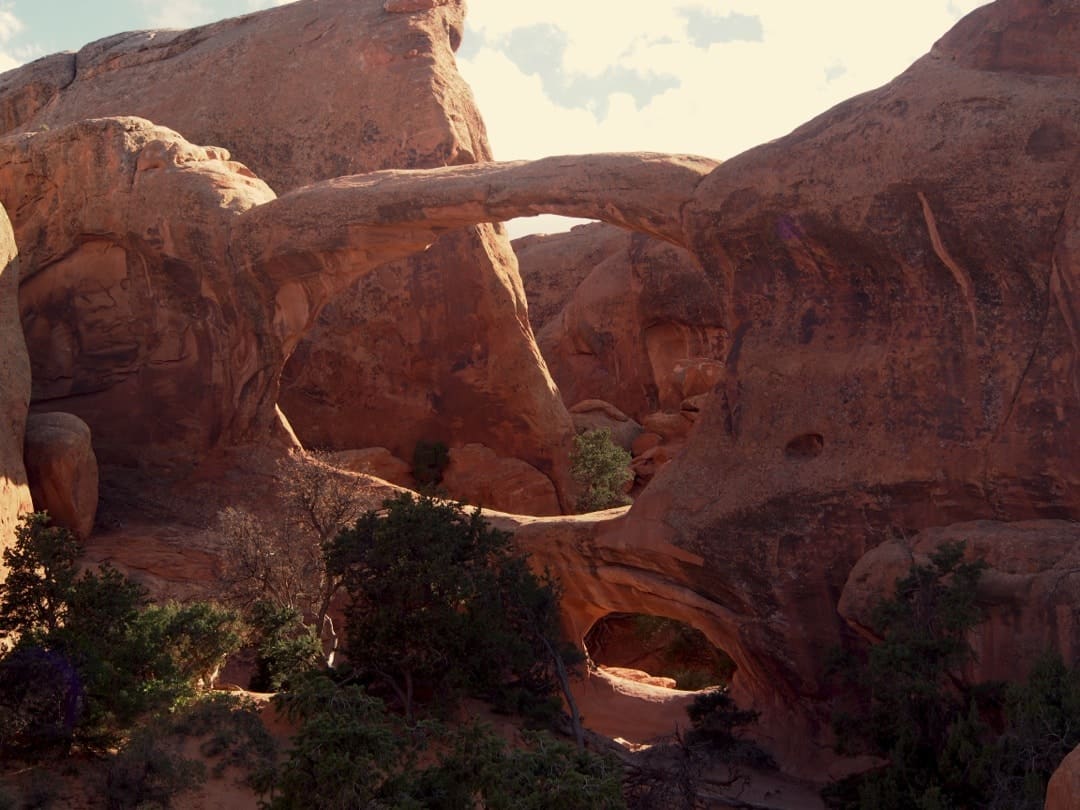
<point x="948" y="744"/>
<point x="480" y="770"/>
<point x="234" y="734"/>
<point x="1042" y="726"/>
<point x="91" y="648"/>
<point x="285" y="646"/>
<point x="601" y="469"/>
<point x="718" y="723"/>
<point x="349" y="752"/>
<point x="345" y="750"/>
<point x="441" y="604"/>
<point x="911" y="711"/>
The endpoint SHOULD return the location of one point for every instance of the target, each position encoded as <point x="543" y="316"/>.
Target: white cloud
<point x="731" y="96"/>
<point x="10" y="26"/>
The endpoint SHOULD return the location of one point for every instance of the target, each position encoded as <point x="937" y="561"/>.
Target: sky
<point x="709" y="77"/>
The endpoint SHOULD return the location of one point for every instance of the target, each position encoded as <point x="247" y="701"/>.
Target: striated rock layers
<point x="137" y="321"/>
<point x="903" y="351"/>
<point x="14" y="391"/>
<point x="433" y="347"/>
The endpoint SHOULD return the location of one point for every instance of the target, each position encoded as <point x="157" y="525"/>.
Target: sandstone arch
<point x="898" y="279"/>
<point x="236" y="276"/>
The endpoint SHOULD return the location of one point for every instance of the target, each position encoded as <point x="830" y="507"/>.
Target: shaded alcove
<point x="664" y="648"/>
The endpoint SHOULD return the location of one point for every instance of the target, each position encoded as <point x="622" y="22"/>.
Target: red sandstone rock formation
<point x="628" y="329"/>
<point x="138" y="323"/>
<point x="1063" y="791"/>
<point x="14" y="391"/>
<point x="62" y="470"/>
<point x="435" y="345"/>
<point x="1029" y="592"/>
<point x="376" y="461"/>
<point x="898" y="281"/>
<point x="596" y="414"/>
<point x="478" y="476"/>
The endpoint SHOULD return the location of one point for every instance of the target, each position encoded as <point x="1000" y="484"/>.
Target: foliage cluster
<point x="440" y="605"/>
<point x="601" y="469"/>
<point x="351" y="752"/>
<point x="275" y="573"/>
<point x="713" y="755"/>
<point x="151" y="769"/>
<point x="948" y="744"/>
<point x="89" y="656"/>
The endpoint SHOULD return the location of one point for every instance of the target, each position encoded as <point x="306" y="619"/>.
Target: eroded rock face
<point x="14" y="391"/>
<point x="377" y="461"/>
<point x="137" y="321"/>
<point x="436" y="345"/>
<point x="478" y="476"/>
<point x="903" y="348"/>
<point x="256" y="77"/>
<point x="898" y="286"/>
<point x="62" y="470"/>
<point x="901" y="345"/>
<point x="1029" y="593"/>
<point x="628" y="329"/>
<point x="596" y="414"/>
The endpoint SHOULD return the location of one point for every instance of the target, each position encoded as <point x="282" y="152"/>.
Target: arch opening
<point x="658" y="650"/>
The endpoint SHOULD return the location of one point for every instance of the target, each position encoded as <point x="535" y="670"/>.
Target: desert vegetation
<point x="439" y="608"/>
<point x="601" y="470"/>
<point x="944" y="743"/>
<point x="441" y="611"/>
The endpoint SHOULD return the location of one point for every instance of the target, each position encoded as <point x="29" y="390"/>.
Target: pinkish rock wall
<point x="14" y="391"/>
<point x="437" y="346"/>
<point x="633" y="313"/>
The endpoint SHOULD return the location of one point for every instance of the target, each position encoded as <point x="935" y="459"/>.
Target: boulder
<point x="638" y="329"/>
<point x="14" y="391"/>
<point x="645" y="442"/>
<point x="649" y="462"/>
<point x="672" y="426"/>
<point x="444" y="348"/>
<point x="478" y="476"/>
<point x="1063" y="790"/>
<point x="1029" y="592"/>
<point x="377" y="461"/>
<point x="595" y="414"/>
<point x="62" y="470"/>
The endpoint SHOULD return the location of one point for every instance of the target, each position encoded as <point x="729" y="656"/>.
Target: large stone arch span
<point x="645" y="192"/>
<point x="157" y="269"/>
